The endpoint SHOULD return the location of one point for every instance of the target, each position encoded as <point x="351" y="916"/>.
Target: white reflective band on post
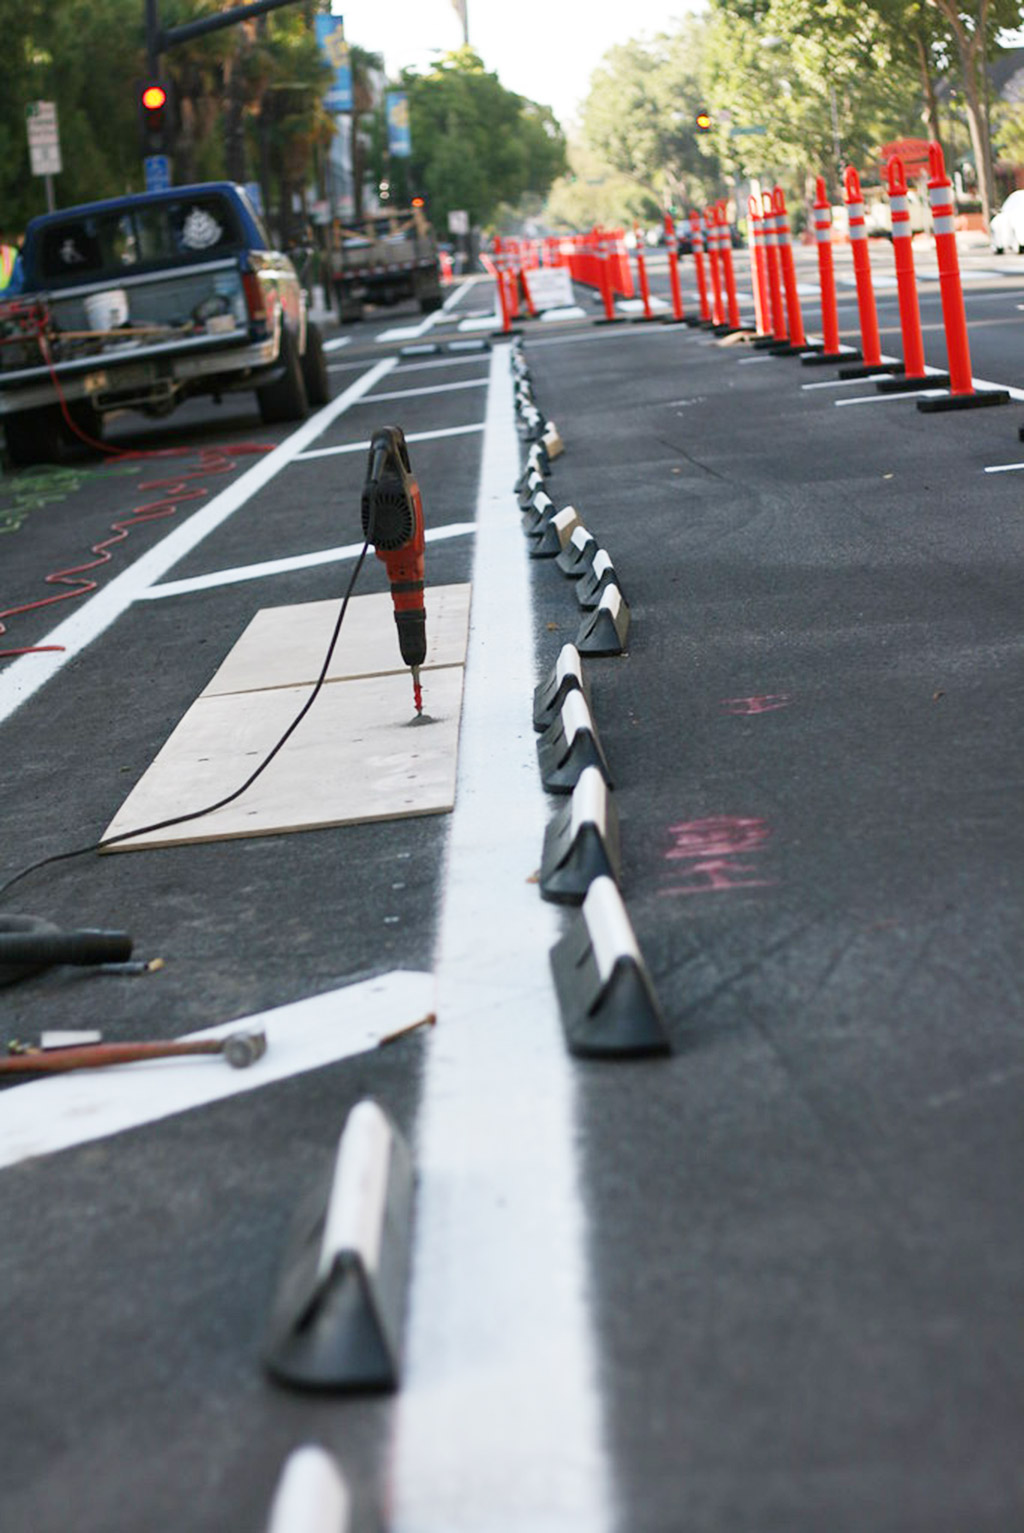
<point x="944" y="225"/>
<point x="858" y="232"/>
<point x="899" y="203"/>
<point x="938" y="195"/>
<point x="854" y="210"/>
<point x="823" y="234"/>
<point x="822" y="218"/>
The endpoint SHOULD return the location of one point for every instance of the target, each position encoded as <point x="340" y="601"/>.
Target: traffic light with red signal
<point x="154" y="104"/>
<point x="703" y="121"/>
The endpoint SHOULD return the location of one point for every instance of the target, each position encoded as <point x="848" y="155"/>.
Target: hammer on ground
<point x="239" y="1049"/>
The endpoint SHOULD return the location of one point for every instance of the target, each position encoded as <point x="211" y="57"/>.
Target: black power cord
<point x="197" y="814"/>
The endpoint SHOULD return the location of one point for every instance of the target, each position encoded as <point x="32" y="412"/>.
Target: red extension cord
<point x="212" y="461"/>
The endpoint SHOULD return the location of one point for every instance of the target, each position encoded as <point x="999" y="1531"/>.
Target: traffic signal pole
<point x="159" y="39"/>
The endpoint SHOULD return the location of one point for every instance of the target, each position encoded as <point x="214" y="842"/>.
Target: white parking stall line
<point x="844" y="383"/>
<point x="498" y="1419"/>
<point x="58" y="1113"/>
<point x="889" y="399"/>
<point x="411" y="436"/>
<point x="435" y="388"/>
<point x="269" y="567"/>
<point x="93" y="616"/>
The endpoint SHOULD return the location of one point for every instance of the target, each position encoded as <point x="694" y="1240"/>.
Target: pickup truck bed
<point x="140" y="302"/>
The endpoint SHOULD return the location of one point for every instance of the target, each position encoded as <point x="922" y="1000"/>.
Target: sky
<point x="543" y="49"/>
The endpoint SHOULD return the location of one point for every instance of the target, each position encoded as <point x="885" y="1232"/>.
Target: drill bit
<point x="417" y="690"/>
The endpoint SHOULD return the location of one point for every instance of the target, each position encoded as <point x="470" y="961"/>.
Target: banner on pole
<point x="330" y="35"/>
<point x="399" y="139"/>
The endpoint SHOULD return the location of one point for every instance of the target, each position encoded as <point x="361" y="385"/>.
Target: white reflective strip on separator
<point x="354" y="1221"/>
<point x="580" y="538"/>
<point x="568" y="664"/>
<point x="898" y="203"/>
<point x="311" y="1496"/>
<point x="611" y="600"/>
<point x="943" y="225"/>
<point x="609" y="928"/>
<point x="602" y="562"/>
<point x="575" y="716"/>
<point x="589" y="802"/>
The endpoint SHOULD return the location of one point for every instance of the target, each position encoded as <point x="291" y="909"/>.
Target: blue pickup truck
<point x="140" y="302"/>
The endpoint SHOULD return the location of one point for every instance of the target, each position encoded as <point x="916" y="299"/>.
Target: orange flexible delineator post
<point x="728" y="273"/>
<point x="641" y="273"/>
<point x="830" y="349"/>
<point x="758" y="269"/>
<point x="962" y="395"/>
<point x="604" y="258"/>
<point x="672" y="246"/>
<point x="869" y="339"/>
<point x="794" y="317"/>
<point x="713" y="244"/>
<point x="499" y="282"/>
<point x="697" y="246"/>
<point x="771" y="251"/>
<point x="914" y="370"/>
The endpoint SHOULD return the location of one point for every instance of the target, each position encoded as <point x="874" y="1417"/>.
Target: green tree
<point x="475" y="144"/>
<point x="640" y="115"/>
<point x="825" y="79"/>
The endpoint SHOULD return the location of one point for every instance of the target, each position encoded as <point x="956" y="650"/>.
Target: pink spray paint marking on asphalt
<point x="746" y="707"/>
<point x="710" y="846"/>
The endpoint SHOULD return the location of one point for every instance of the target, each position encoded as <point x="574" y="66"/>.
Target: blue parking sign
<point x="158" y="172"/>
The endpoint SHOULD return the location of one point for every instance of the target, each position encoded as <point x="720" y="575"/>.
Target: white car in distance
<point x="1006" y="231"/>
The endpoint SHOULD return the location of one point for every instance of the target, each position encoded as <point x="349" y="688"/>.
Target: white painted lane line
<point x="428" y="389"/>
<point x="413" y="436"/>
<point x="67" y="1110"/>
<point x="285" y="566"/>
<point x="888" y="399"/>
<point x="1004" y="468"/>
<point x="337" y="342"/>
<point x="981" y="384"/>
<point x="462" y="360"/>
<point x="498" y="1420"/>
<point x="96" y="613"/>
<point x="844" y="383"/>
<point x="416" y="332"/>
<point x="746" y="361"/>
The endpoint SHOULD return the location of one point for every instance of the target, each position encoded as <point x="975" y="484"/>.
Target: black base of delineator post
<point x="828" y="358"/>
<point x="869" y="369"/>
<point x="907" y="385"/>
<point x="977" y="401"/>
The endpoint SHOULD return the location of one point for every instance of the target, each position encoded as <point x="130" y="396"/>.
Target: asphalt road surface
<point x="768" y="1281"/>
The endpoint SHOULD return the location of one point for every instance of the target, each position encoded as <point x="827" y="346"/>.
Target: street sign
<point x="458" y="221"/>
<point x="158" y="172"/>
<point x="43" y="138"/>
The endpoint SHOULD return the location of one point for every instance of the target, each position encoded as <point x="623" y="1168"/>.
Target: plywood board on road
<point x="360" y="754"/>
<point x="285" y="646"/>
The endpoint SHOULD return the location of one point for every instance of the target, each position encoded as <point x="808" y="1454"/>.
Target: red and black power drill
<point x="392" y="513"/>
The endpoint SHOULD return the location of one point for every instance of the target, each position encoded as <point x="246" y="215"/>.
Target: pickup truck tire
<point x="285" y="399"/>
<point x="314" y="368"/>
<point x="35" y="436"/>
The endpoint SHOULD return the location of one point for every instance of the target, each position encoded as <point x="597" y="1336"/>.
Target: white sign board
<point x="458" y="221"/>
<point x="43" y="138"/>
<point x="550" y="287"/>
